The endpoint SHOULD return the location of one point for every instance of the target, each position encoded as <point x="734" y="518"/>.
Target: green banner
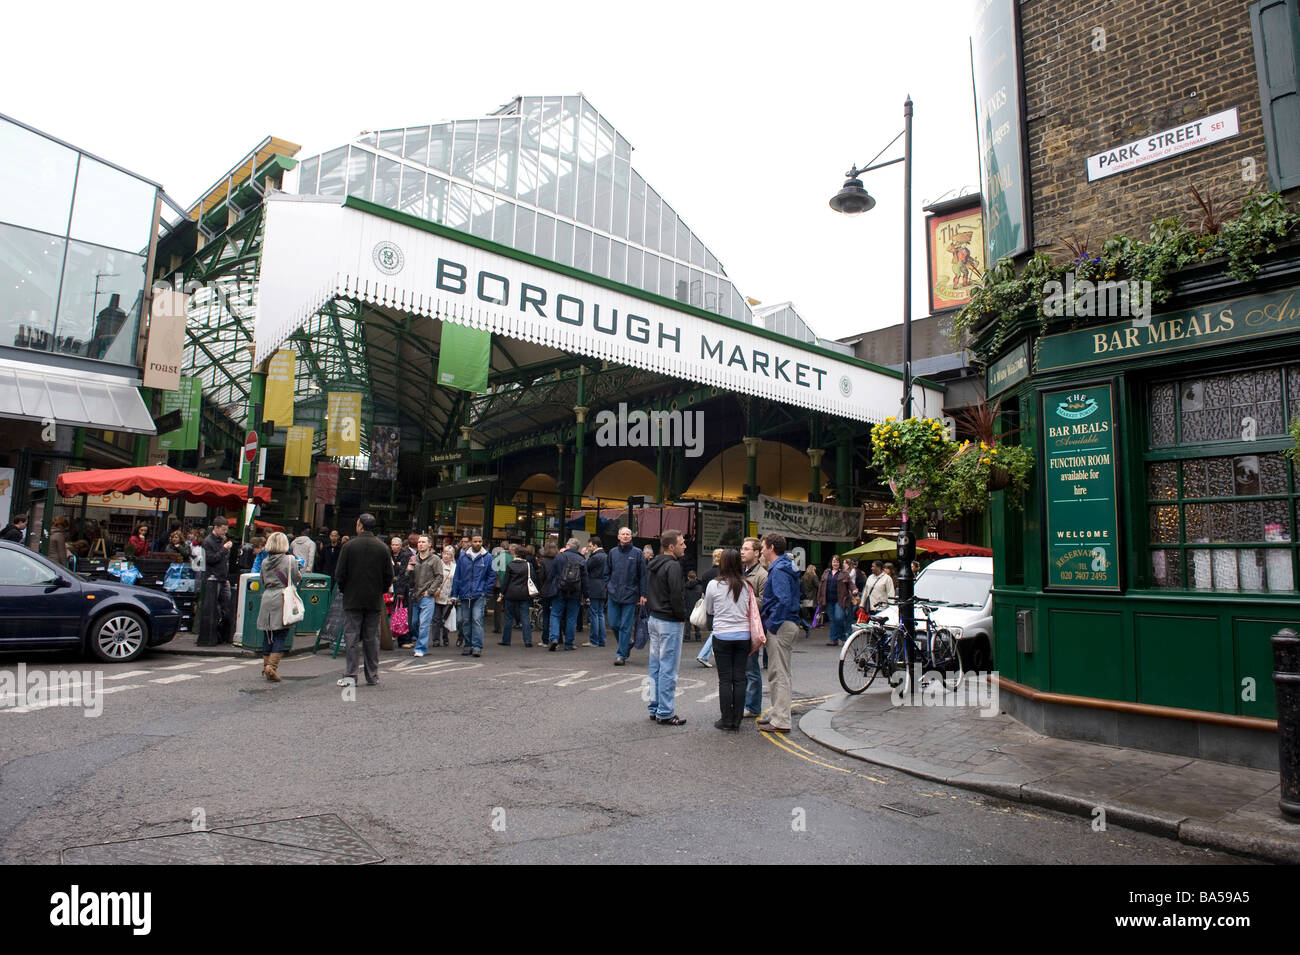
<point x="187" y="399"/>
<point x="1008" y="370"/>
<point x="1251" y="317"/>
<point x="998" y="122"/>
<point x="464" y="355"/>
<point x="1082" y="524"/>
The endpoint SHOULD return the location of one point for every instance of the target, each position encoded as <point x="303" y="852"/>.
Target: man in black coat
<point x="598" y="589"/>
<point x="16" y="531"/>
<point x="217" y="603"/>
<point x="363" y="575"/>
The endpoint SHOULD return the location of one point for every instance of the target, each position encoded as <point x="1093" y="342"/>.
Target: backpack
<point x="570" y="580"/>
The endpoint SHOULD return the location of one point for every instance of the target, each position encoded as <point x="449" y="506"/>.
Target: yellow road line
<point x="796" y="750"/>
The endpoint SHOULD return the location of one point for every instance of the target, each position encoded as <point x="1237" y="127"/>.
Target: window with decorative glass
<point x="1220" y="492"/>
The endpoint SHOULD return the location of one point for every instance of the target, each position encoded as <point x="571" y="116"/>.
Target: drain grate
<point x="908" y="809"/>
<point x="309" y="840"/>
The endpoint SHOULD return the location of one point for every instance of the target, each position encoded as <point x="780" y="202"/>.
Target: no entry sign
<point x="250" y="446"/>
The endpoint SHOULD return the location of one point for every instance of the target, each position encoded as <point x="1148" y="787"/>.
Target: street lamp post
<point x="853" y="199"/>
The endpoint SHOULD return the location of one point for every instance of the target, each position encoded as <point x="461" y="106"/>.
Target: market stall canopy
<point x="160" y="481"/>
<point x="85" y="399"/>
<point x="880" y="547"/>
<point x="951" y="549"/>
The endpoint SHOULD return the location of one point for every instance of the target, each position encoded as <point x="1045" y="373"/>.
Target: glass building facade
<point x="74" y="244"/>
<point x="545" y="175"/>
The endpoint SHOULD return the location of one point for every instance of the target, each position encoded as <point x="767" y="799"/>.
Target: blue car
<point x="45" y="607"/>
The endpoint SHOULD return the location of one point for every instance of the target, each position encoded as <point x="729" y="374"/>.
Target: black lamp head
<point x="853" y="199"/>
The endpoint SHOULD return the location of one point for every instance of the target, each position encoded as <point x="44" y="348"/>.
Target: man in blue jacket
<point x="781" y="621"/>
<point x="567" y="588"/>
<point x="626" y="589"/>
<point x="471" y="588"/>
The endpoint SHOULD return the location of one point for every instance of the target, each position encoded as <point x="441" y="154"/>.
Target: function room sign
<point x="1082" y="526"/>
<point x="1162" y="145"/>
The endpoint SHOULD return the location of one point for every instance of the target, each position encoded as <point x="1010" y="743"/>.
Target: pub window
<point x="1220" y="493"/>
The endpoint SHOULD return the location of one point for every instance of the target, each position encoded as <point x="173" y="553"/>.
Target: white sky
<point x="743" y="116"/>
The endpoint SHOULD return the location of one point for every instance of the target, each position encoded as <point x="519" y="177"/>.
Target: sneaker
<point x="553" y="647"/>
<point x="619" y="661"/>
<point x="704" y="663"/>
<point x="568" y="647"/>
<point x="346" y="681"/>
<point x="418" y="653"/>
<point x="590" y="644"/>
<point x="478" y="653"/>
<point x="748" y="715"/>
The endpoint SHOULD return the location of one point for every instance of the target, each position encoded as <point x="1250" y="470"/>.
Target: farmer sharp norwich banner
<point x="806" y="521"/>
<point x="463" y="358"/>
<point x="297" y="451"/>
<point x="279" y="389"/>
<point x="343" y="439"/>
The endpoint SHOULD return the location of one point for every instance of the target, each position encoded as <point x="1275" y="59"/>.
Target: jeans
<point x="706" y="651"/>
<point x="471" y="624"/>
<point x="754" y="684"/>
<point x="517" y="612"/>
<point x="430" y="620"/>
<point x="622" y="620"/>
<point x="275" y="642"/>
<point x="596" y="621"/>
<point x="361" y="631"/>
<point x="732" y="678"/>
<point x="564" y="609"/>
<point x="839" y="622"/>
<point x="413" y="620"/>
<point x="665" y="649"/>
<point x="781" y="643"/>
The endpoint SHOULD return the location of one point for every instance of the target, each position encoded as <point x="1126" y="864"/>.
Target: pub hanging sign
<point x="1082" y="513"/>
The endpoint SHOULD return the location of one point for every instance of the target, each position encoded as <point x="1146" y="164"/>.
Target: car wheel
<point x="981" y="657"/>
<point x="119" y="636"/>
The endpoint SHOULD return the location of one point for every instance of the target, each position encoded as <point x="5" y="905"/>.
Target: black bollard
<point x="1286" y="678"/>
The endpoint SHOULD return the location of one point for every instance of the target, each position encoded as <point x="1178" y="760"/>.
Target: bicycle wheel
<point x="859" y="662"/>
<point x="945" y="657"/>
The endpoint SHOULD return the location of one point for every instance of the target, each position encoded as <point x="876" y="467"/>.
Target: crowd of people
<point x="631" y="597"/>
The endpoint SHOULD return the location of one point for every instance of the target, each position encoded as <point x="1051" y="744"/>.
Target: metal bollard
<point x="1286" y="677"/>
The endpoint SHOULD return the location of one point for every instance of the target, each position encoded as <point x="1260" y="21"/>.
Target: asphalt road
<point x="521" y="756"/>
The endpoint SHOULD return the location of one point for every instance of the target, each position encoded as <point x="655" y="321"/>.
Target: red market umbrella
<point x="159" y="481"/>
<point x="266" y="525"/>
<point x="950" y="549"/>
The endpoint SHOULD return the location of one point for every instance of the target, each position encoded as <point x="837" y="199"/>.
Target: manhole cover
<point x="908" y="809"/>
<point x="310" y="840"/>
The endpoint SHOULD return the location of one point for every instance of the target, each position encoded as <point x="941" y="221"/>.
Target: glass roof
<point x="547" y="175"/>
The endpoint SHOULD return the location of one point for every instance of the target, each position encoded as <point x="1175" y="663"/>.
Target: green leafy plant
<point x="978" y="469"/>
<point x="1011" y="298"/>
<point x="910" y="455"/>
<point x="1294" y="430"/>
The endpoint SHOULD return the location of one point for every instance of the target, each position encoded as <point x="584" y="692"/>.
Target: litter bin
<point x="316" y="591"/>
<point x="248" y="601"/>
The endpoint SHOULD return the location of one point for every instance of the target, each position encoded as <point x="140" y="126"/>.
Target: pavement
<point x="186" y="643"/>
<point x="1196" y="801"/>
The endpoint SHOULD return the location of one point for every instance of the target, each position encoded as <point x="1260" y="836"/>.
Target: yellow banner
<point x="503" y="515"/>
<point x="297" y="451"/>
<point x="343" y="438"/>
<point x="278" y="405"/>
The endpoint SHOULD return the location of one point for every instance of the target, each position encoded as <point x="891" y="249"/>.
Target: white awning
<point x="316" y="249"/>
<point x="35" y="392"/>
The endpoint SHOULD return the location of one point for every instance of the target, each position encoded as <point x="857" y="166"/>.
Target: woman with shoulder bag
<point x="727" y="599"/>
<point x="280" y="571"/>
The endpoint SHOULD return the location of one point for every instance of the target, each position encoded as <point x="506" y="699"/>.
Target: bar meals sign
<point x="1162" y="145"/>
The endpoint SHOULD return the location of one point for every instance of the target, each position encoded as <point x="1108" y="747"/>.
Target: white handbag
<point x="292" y="609"/>
<point x="532" y="587"/>
<point x="699" y="618"/>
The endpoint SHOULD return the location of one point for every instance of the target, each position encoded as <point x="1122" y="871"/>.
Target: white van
<point x="966" y="586"/>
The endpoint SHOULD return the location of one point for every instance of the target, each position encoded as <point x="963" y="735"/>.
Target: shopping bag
<point x="450" y="621"/>
<point x="642" y="631"/>
<point x="757" y="635"/>
<point x="293" y="610"/>
<point x="698" y="616"/>
<point x="400" y="624"/>
<point x="817" y="620"/>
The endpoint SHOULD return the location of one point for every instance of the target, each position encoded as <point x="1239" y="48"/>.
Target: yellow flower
<point x="985" y="461"/>
<point x="993" y="451"/>
<point x="983" y="446"/>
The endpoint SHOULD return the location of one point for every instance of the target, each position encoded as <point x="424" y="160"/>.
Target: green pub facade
<point x="1156" y="552"/>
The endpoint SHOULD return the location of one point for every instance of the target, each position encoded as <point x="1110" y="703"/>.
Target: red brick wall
<point x="1164" y="63"/>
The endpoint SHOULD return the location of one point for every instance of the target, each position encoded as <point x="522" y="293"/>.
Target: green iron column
<point x="256" y="395"/>
<point x="843" y="468"/>
<point x="815" y="495"/>
<point x="751" y="478"/>
<point x="580" y="438"/>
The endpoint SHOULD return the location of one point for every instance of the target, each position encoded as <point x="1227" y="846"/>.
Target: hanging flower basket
<point x="999" y="478"/>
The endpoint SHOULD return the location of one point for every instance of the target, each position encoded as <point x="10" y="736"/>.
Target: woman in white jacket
<point x="727" y="600"/>
<point x="443" y="597"/>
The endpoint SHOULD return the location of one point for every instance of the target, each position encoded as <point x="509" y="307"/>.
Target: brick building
<point x="1156" y="552"/>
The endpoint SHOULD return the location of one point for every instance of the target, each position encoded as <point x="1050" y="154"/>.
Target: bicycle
<point x="875" y="648"/>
